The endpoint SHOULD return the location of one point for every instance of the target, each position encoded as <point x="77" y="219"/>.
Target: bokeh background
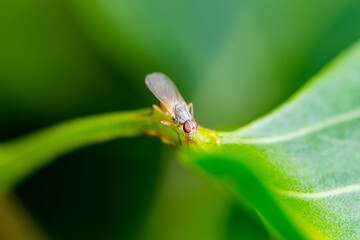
<point x="235" y="60"/>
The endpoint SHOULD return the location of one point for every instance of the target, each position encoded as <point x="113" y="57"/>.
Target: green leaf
<point x="306" y="155"/>
<point x="298" y="166"/>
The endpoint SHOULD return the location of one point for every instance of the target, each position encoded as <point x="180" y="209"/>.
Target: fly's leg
<point x="191" y="107"/>
<point x="179" y="126"/>
<point x="164" y="109"/>
<point x="186" y="136"/>
<point x="158" y="109"/>
<point x="170" y="124"/>
<point x="166" y="122"/>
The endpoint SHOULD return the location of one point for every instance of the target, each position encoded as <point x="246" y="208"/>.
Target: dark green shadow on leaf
<point x="247" y="186"/>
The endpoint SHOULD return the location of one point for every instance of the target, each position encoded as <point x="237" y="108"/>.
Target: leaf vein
<point x="346" y="117"/>
<point x="324" y="194"/>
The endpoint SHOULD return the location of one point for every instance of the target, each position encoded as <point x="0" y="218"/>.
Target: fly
<point x="170" y="98"/>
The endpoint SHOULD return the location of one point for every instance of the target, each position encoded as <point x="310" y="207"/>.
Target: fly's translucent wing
<point x="164" y="90"/>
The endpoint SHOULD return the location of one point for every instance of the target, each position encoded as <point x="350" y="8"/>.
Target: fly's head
<point x="190" y="126"/>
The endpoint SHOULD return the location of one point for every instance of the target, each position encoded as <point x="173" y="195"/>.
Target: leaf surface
<point x="307" y="155"/>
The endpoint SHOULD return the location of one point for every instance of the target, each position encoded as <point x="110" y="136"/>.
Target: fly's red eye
<point x="195" y="123"/>
<point x="187" y="127"/>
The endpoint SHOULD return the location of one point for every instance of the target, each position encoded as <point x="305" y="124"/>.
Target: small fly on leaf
<point x="170" y="98"/>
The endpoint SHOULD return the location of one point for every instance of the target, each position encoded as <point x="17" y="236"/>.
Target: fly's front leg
<point x="179" y="126"/>
<point x="186" y="136"/>
<point x="170" y="124"/>
<point x="191" y="108"/>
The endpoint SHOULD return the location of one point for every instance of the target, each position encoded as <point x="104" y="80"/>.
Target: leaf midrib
<point x="352" y="188"/>
<point x="230" y="138"/>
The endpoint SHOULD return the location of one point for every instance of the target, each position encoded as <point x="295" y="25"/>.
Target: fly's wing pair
<point x="165" y="91"/>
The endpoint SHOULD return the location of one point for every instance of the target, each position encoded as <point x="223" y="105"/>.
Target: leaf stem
<point x="20" y="157"/>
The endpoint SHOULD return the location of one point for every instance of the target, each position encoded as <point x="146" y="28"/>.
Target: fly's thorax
<point x="182" y="114"/>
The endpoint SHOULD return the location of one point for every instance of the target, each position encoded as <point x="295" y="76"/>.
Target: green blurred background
<point x="235" y="60"/>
